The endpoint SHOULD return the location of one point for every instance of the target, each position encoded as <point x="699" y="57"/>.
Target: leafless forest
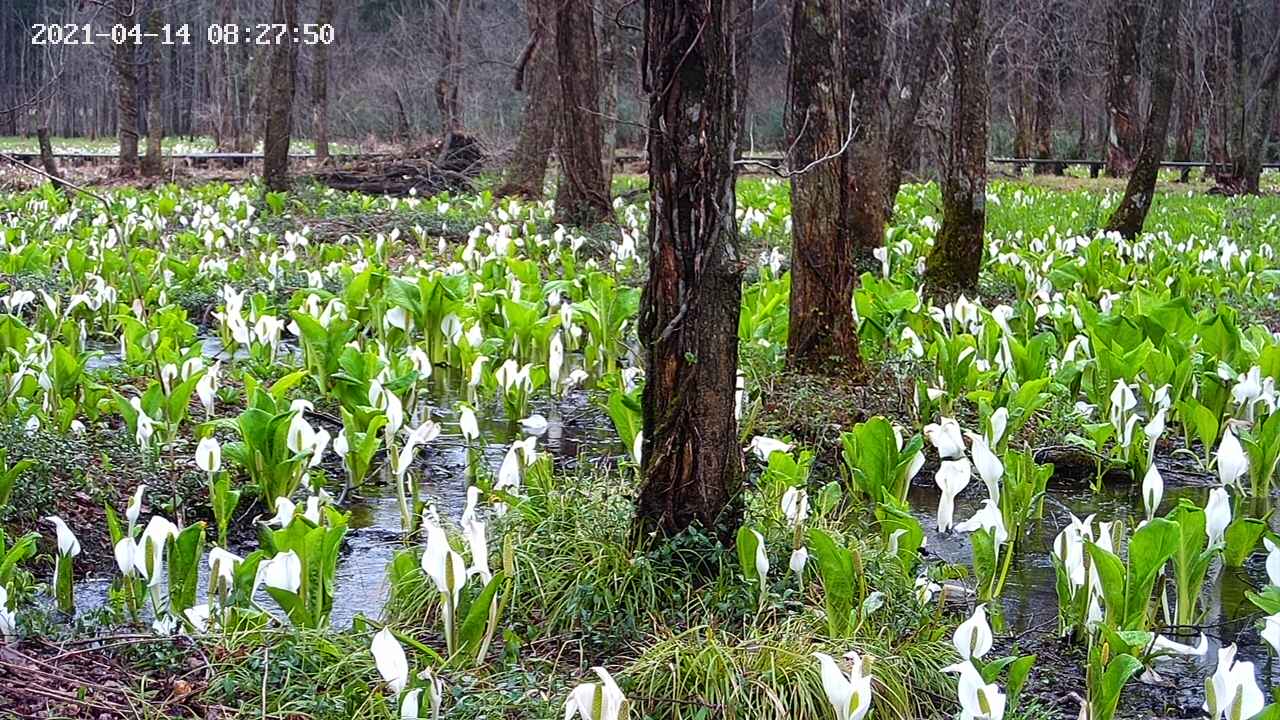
<point x="1068" y="78"/>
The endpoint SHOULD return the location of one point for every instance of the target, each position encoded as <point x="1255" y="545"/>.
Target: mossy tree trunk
<point x="1128" y="217"/>
<point x="583" y="197"/>
<point x="689" y="313"/>
<point x="279" y="102"/>
<point x="953" y="263"/>
<point x="538" y="76"/>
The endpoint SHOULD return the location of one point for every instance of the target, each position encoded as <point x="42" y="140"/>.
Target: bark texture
<point x="320" y="86"/>
<point x="1124" y="29"/>
<point x="284" y="60"/>
<point x="689" y="313"/>
<point x="953" y="263"/>
<point x="539" y="78"/>
<point x="583" y="196"/>
<point x="744" y="28"/>
<point x="821" y="335"/>
<point x="864" y="30"/>
<point x="125" y="58"/>
<point x="1140" y="190"/>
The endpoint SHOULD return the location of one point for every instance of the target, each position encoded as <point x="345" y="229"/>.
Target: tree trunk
<point x="583" y="198"/>
<point x="689" y="313"/>
<point x="47" y="159"/>
<point x="821" y="333"/>
<point x="1254" y="99"/>
<point x="904" y="134"/>
<point x="610" y="52"/>
<point x="1187" y="105"/>
<point x="864" y="29"/>
<point x="320" y="86"/>
<point x="450" y="67"/>
<point x="1138" y="194"/>
<point x="275" y="145"/>
<point x="538" y="76"/>
<point x="124" y="58"/>
<point x="744" y="30"/>
<point x="1124" y="28"/>
<point x="1048" y="65"/>
<point x="225" y="130"/>
<point x="953" y="264"/>
<point x="153" y="163"/>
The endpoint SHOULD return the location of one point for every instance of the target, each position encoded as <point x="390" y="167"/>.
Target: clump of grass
<point x="577" y="572"/>
<point x="707" y="672"/>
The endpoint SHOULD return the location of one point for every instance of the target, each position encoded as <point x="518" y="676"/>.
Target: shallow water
<point x="1030" y="602"/>
<point x="374" y="535"/>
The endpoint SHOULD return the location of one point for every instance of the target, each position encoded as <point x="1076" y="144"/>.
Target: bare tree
<point x="320" y="86"/>
<point x="920" y="69"/>
<point x="1139" y="192"/>
<point x="152" y="164"/>
<point x="279" y="105"/>
<point x="1124" y="29"/>
<point x="689" y="314"/>
<point x="956" y="257"/>
<point x="583" y="196"/>
<point x="449" y="24"/>
<point x="537" y="74"/>
<point x="125" y="61"/>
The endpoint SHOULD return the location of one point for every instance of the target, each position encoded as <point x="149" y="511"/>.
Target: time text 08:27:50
<point x="228" y="34"/>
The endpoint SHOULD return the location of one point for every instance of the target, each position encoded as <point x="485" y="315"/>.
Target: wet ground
<point x="1029" y="605"/>
<point x="574" y="428"/>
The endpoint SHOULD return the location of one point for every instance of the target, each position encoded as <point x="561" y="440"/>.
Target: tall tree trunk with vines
<point x="689" y="313"/>
<point x="821" y="333"/>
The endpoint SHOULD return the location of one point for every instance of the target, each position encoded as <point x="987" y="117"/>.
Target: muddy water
<point x="574" y="429"/>
<point x="1030" y="602"/>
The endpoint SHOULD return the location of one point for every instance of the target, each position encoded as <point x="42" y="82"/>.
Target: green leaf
<point x="184" y="568"/>
<point x="748" y="544"/>
<point x="1242" y="538"/>
<point x="835" y="566"/>
<point x="476" y="623"/>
